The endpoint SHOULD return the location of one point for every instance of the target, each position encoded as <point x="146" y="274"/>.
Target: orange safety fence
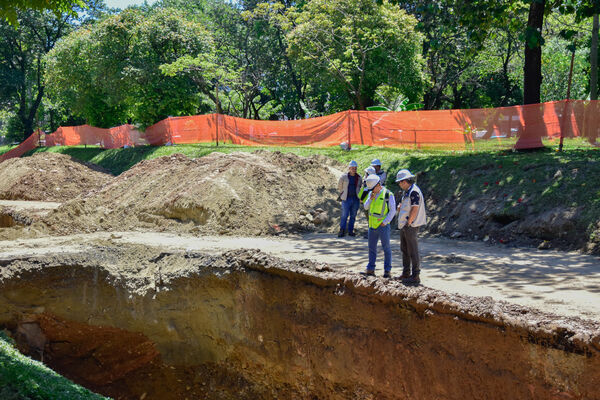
<point x="113" y="138"/>
<point x="517" y="126"/>
<point x="526" y="125"/>
<point x="27" y="145"/>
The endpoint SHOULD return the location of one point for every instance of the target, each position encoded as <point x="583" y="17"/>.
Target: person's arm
<point x="414" y="210"/>
<point x="414" y="207"/>
<point x="341" y="185"/>
<point x="368" y="202"/>
<point x="392" y="209"/>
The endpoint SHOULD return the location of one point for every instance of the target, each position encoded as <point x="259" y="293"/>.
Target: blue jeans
<point x="349" y="209"/>
<point x="383" y="233"/>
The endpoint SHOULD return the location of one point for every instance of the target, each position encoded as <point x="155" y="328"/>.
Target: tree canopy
<point x="72" y="62"/>
<point x="9" y="8"/>
<point x="350" y="47"/>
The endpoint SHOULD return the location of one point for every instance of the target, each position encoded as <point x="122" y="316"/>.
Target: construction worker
<point x="411" y="216"/>
<point x="376" y="163"/>
<point x="364" y="193"/>
<point x="382" y="208"/>
<point x="349" y="188"/>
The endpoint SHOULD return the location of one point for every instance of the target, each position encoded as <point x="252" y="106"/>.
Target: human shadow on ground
<point x="477" y="263"/>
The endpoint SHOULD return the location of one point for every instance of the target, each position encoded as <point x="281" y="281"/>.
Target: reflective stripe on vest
<point x="378" y="210"/>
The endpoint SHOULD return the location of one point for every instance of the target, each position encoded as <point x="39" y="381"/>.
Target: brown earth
<point x="486" y="217"/>
<point x="50" y="177"/>
<point x="255" y="193"/>
<point x="245" y="325"/>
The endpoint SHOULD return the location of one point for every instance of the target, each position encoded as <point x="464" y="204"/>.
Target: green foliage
<point x="348" y="48"/>
<point x="24" y="378"/>
<point x="565" y="36"/>
<point x="9" y="8"/>
<point x="109" y="72"/>
<point x="22" y="49"/>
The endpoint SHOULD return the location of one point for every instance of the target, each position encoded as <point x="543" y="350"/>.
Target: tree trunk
<point x="533" y="54"/>
<point x="594" y="60"/>
<point x="532" y="134"/>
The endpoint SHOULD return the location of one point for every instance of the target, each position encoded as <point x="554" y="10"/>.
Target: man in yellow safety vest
<point x="382" y="208"/>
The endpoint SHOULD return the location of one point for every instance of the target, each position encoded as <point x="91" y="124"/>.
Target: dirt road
<point x="566" y="284"/>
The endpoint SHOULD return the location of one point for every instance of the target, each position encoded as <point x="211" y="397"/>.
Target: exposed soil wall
<point x="246" y="325"/>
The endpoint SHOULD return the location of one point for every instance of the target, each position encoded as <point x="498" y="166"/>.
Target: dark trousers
<point x="410" y="250"/>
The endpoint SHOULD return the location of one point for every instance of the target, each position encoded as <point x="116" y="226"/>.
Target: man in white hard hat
<point x="364" y="192"/>
<point x="411" y="216"/>
<point x="376" y="163"/>
<point x="382" y="208"/>
<point x="349" y="188"/>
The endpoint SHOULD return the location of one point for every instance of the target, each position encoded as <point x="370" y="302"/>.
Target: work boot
<point x="342" y="233"/>
<point x="405" y="274"/>
<point x="413" y="280"/>
<point x="387" y="274"/>
<point x="368" y="272"/>
<point x="351" y="234"/>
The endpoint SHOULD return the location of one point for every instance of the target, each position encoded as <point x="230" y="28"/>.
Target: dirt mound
<point x="49" y="177"/>
<point x="244" y="193"/>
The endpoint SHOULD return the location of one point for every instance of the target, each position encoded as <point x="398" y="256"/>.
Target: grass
<point x="6" y="148"/>
<point x="24" y="378"/>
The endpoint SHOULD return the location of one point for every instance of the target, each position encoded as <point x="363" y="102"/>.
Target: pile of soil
<point x="257" y="193"/>
<point x="50" y="177"/>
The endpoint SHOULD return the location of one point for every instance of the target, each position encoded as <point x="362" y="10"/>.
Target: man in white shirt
<point x="412" y="215"/>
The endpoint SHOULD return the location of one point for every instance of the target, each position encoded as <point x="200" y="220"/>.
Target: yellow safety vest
<point x="362" y="193"/>
<point x="378" y="209"/>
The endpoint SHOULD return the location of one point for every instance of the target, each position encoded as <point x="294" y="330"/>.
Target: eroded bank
<point x="131" y="321"/>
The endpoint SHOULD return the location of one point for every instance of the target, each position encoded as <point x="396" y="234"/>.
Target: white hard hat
<point x="376" y="162"/>
<point x="372" y="181"/>
<point x="370" y="170"/>
<point x="403" y="174"/>
<point x="353" y="164"/>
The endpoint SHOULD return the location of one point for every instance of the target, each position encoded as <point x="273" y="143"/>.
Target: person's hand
<point x="372" y="196"/>
<point x="383" y="224"/>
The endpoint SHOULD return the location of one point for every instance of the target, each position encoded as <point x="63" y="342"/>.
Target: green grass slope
<point x="24" y="378"/>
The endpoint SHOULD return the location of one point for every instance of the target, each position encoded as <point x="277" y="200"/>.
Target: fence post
<point x="359" y="125"/>
<point x="415" y="133"/>
<point x="217" y="127"/>
<point x="562" y="125"/>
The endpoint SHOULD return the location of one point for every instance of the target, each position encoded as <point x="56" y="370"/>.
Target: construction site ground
<point x="562" y="283"/>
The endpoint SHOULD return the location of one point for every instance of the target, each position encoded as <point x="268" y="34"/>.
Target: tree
<point x="348" y="48"/>
<point x="9" y="9"/>
<point x="109" y="73"/>
<point x="22" y="49"/>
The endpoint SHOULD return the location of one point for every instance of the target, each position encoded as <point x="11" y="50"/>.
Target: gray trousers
<point x="410" y="250"/>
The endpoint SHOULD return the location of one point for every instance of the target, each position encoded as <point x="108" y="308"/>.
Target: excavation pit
<point x="134" y="321"/>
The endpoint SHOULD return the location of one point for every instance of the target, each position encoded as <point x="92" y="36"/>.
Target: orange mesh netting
<point x="27" y="145"/>
<point x="120" y="136"/>
<point x="525" y="125"/>
<point x="518" y="126"/>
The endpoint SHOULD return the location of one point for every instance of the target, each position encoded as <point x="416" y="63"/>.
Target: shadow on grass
<point x="24" y="378"/>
